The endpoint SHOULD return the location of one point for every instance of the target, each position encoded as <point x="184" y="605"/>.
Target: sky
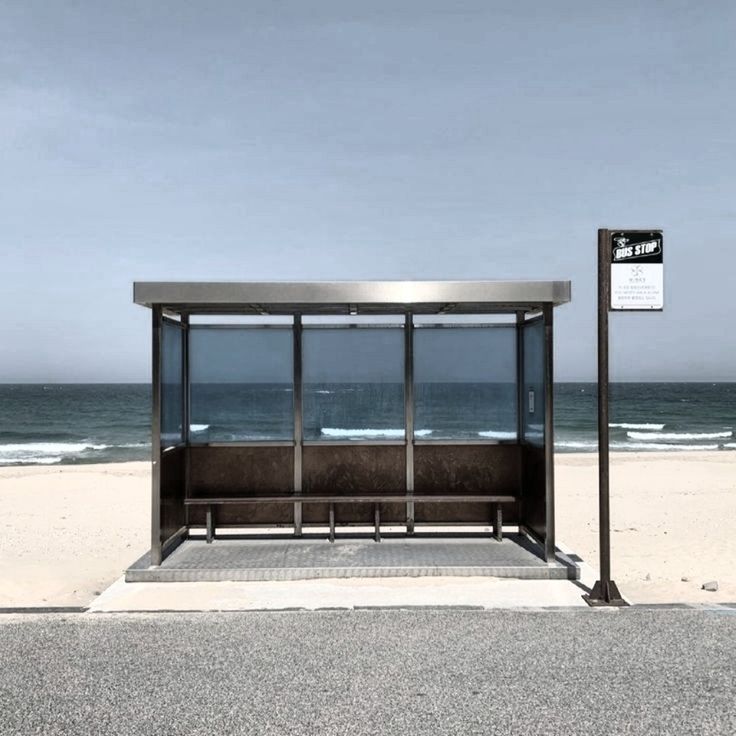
<point x="298" y="140"/>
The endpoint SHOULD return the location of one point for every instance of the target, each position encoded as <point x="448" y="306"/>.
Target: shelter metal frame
<point x="528" y="302"/>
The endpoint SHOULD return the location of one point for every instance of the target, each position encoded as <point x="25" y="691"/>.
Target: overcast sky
<point x="343" y="140"/>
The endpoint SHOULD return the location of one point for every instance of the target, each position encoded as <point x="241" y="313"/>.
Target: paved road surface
<point x="645" y="671"/>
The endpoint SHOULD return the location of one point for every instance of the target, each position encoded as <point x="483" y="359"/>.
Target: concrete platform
<point x="348" y="594"/>
<point x="303" y="559"/>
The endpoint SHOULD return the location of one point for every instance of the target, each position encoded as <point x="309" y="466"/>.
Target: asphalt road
<point x="638" y="671"/>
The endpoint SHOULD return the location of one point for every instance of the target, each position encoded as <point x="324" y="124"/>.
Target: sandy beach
<point x="673" y="516"/>
<point x="70" y="531"/>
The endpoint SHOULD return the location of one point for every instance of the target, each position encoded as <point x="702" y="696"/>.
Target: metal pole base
<point x="605" y="594"/>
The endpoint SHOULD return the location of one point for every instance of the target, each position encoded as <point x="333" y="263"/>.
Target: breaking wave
<point x="371" y="433"/>
<point x="577" y="445"/>
<point x="498" y="435"/>
<point x="44" y="453"/>
<point x="679" y="435"/>
<point x="626" y="425"/>
<point x="660" y="446"/>
<point x="590" y="446"/>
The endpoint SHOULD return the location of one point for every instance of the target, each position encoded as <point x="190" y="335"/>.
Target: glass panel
<point x="353" y="383"/>
<point x="241" y="384"/>
<point x="172" y="405"/>
<point x="465" y="383"/>
<point x="533" y="397"/>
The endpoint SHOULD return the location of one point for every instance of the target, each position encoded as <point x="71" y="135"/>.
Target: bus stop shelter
<point x="293" y="412"/>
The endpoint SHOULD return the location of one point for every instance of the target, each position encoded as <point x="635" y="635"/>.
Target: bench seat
<point x="374" y="498"/>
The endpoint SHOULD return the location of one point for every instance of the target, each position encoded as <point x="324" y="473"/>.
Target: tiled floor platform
<point x="301" y="559"/>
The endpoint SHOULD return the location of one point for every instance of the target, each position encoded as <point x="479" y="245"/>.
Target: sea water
<point x="96" y="423"/>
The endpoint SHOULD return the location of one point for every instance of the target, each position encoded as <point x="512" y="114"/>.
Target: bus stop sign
<point x="630" y="278"/>
<point x="637" y="270"/>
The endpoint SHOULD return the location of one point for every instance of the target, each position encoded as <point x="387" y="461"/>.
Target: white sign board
<point x="637" y="271"/>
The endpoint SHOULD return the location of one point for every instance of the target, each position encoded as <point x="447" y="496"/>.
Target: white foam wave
<point x="379" y="433"/>
<point x="652" y="446"/>
<point x="49" y="448"/>
<point x="678" y="435"/>
<point x="498" y="435"/>
<point x="659" y="446"/>
<point x="730" y="445"/>
<point x="627" y="425"/>
<point x="198" y="427"/>
<point x="43" y="453"/>
<point x="39" y="460"/>
<point x="342" y="432"/>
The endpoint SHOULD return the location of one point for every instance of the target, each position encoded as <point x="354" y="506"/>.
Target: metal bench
<point x="375" y="498"/>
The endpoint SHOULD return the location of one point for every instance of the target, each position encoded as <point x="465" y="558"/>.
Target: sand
<point x="673" y="516"/>
<point x="69" y="531"/>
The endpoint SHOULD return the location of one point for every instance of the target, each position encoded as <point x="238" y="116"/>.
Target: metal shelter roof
<point x="350" y="297"/>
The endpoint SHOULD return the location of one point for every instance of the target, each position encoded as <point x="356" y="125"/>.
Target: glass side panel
<point x="241" y="384"/>
<point x="353" y="384"/>
<point x="172" y="404"/>
<point x="533" y="396"/>
<point x="465" y="383"/>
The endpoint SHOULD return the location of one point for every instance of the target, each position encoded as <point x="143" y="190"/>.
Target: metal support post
<point x="520" y="318"/>
<point x="298" y="423"/>
<point x="549" y="434"/>
<point x="377" y="522"/>
<point x="186" y="403"/>
<point x="409" y="417"/>
<point x="605" y="591"/>
<point x="157" y="333"/>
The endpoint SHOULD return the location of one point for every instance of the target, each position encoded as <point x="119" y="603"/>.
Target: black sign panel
<point x="636" y="246"/>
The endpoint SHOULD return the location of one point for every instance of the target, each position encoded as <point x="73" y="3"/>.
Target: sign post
<point x="630" y="278"/>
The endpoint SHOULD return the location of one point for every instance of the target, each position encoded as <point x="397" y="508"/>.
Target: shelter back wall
<point x="242" y="471"/>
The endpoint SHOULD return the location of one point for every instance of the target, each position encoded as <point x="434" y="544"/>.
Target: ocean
<point x="96" y="423"/>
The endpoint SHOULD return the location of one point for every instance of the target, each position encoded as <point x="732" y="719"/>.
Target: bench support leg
<point x="410" y="517"/>
<point x="332" y="522"/>
<point x="297" y="519"/>
<point x="377" y="522"/>
<point x="210" y="522"/>
<point x="498" y="522"/>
